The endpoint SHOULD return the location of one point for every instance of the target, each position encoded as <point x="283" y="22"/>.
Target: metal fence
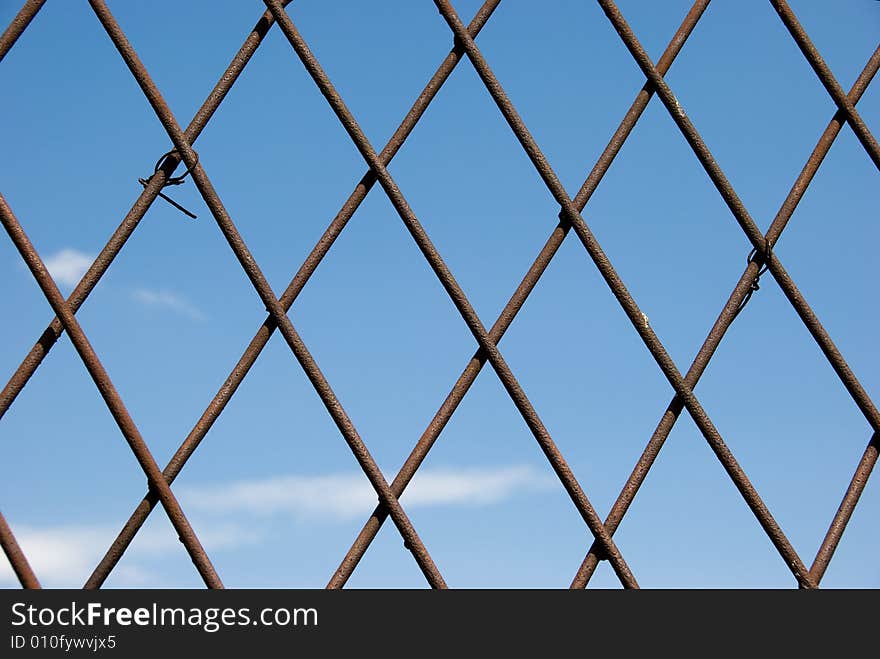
<point x="762" y="261"/>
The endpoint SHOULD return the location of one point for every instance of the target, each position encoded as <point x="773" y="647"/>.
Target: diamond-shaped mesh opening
<point x="281" y="229"/>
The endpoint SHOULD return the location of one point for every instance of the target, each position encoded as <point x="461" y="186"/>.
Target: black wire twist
<point x="172" y="180"/>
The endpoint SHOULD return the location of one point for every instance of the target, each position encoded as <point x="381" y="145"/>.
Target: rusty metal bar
<point x="110" y="395"/>
<point x="18" y="25"/>
<point x="456" y="294"/>
<point x="249" y="265"/>
<point x="637" y="318"/>
<point x="131" y="220"/>
<point x="513" y="306"/>
<point x="846" y="509"/>
<point x="745" y="221"/>
<point x="17" y="559"/>
<point x="719" y="329"/>
<point x="828" y="80"/>
<point x="265" y="331"/>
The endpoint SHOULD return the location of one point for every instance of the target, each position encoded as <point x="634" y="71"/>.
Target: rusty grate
<point x="762" y="262"/>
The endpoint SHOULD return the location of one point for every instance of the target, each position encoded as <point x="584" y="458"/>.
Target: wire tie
<point x="756" y="282"/>
<point x="172" y="180"/>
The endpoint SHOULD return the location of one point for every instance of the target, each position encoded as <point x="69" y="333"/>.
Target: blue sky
<point x="274" y="491"/>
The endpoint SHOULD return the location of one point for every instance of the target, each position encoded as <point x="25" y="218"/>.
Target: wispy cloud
<point x="58" y="554"/>
<point x="343" y="496"/>
<point x="68" y="266"/>
<point x="64" y="556"/>
<point x="168" y="300"/>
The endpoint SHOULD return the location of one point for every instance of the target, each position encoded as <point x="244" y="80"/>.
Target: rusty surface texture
<point x="183" y="160"/>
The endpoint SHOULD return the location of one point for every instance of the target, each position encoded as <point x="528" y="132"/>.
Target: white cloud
<point x="168" y="300"/>
<point x="58" y="554"/>
<point x="68" y="266"/>
<point x="343" y="496"/>
<point x="64" y="556"/>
